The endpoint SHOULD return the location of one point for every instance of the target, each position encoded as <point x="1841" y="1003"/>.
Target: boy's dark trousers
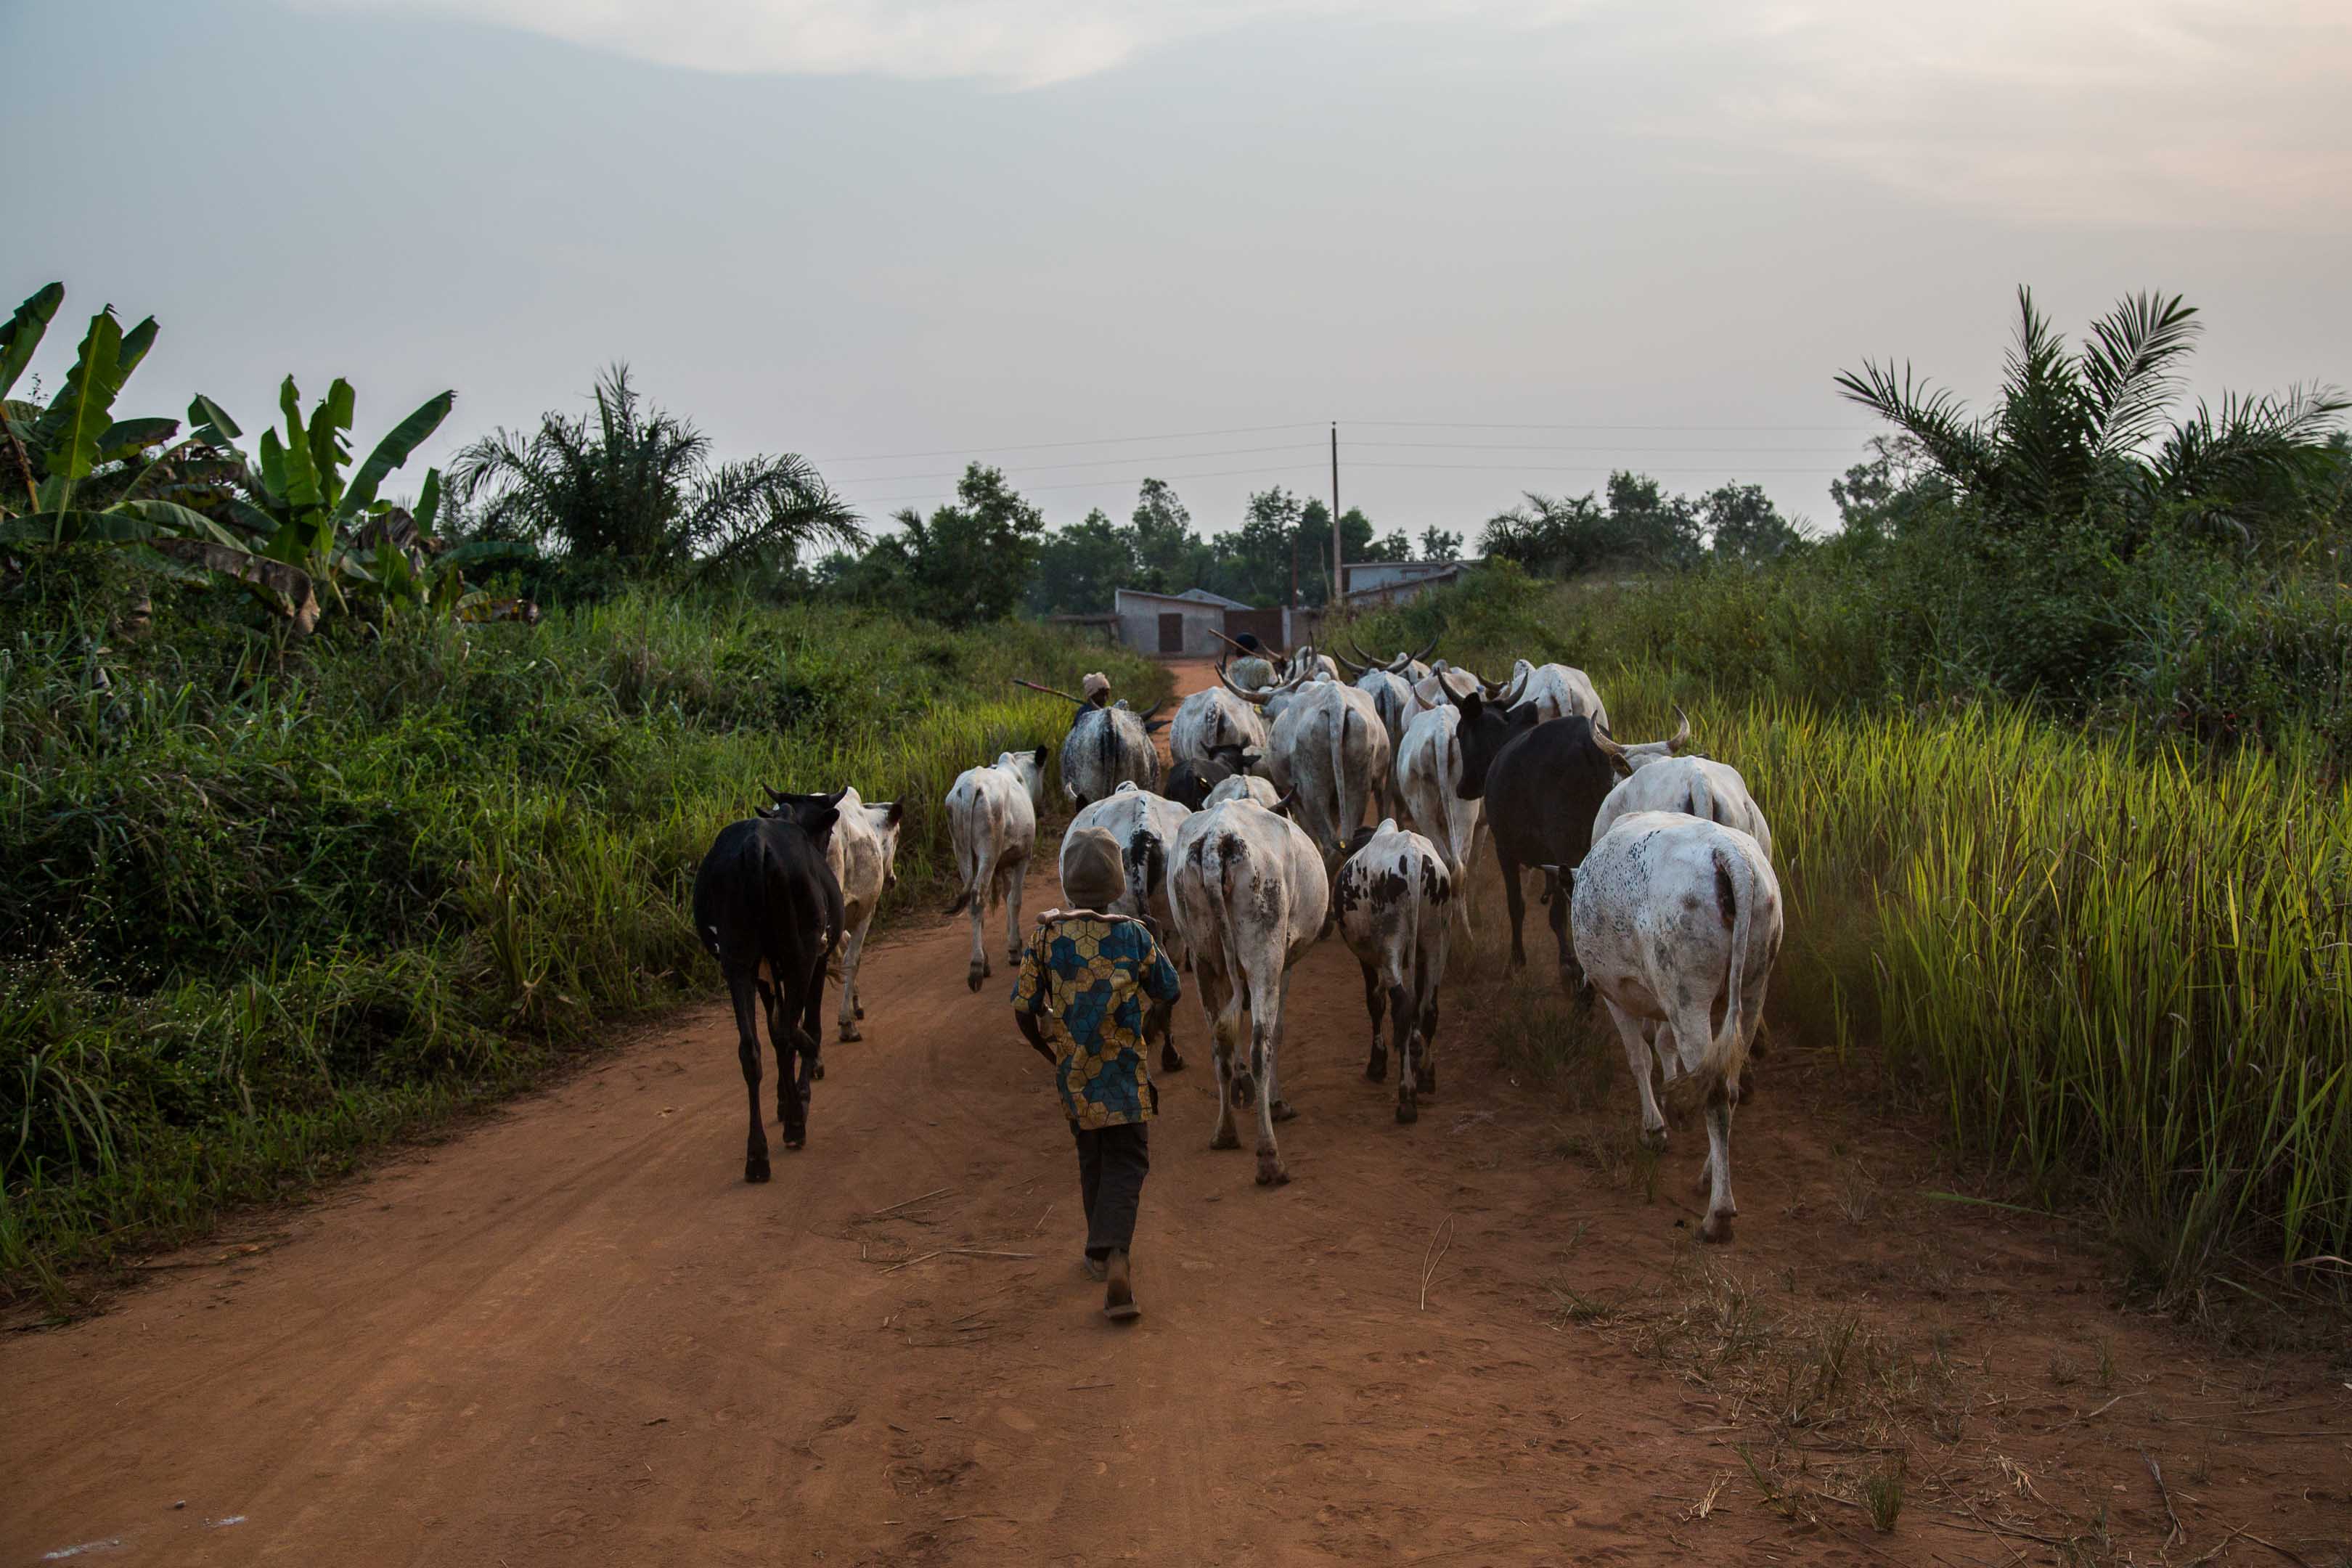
<point x="1112" y="1163"/>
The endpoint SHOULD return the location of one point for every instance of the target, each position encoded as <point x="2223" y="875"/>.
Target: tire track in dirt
<point x="571" y="1334"/>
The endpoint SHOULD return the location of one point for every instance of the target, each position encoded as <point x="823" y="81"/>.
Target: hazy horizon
<point x="1507" y="246"/>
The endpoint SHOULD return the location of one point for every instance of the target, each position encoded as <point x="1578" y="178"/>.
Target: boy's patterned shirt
<point x="1085" y="977"/>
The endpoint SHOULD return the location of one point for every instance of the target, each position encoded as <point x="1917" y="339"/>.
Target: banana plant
<point x="297" y="504"/>
<point x="71" y="473"/>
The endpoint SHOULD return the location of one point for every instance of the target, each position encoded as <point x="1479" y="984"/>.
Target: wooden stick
<point x="2156" y="1473"/>
<point x="1049" y="691"/>
<point x="1441" y="1240"/>
<point x="902" y="1202"/>
<point x="910" y="1262"/>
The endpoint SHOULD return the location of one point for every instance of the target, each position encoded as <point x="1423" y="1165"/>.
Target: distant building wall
<point x="1140" y="618"/>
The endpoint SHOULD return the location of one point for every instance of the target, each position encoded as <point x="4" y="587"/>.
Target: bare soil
<point x="573" y="1335"/>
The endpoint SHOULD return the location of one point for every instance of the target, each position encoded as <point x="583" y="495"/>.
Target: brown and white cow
<point x="1395" y="898"/>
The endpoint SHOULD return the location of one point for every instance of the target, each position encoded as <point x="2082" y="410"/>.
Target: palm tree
<point x="2084" y="432"/>
<point x="638" y="485"/>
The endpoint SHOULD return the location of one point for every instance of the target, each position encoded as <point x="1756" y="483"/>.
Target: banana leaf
<point x="127" y="439"/>
<point x="285" y="589"/>
<point x="23" y="333"/>
<point x="330" y="454"/>
<point x="393" y="451"/>
<point x="67" y="432"/>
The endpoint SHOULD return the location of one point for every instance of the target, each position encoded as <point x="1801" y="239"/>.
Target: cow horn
<point x="1258" y="699"/>
<point x="1425" y="652"/>
<point x="1281" y="807"/>
<point x="1682" y="735"/>
<point x="1610" y="749"/>
<point x="1520" y="679"/>
<point x="1353" y="667"/>
<point x="1397" y="665"/>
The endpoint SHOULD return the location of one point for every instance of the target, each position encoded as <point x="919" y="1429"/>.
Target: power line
<point x="1593" y="468"/>
<point x="1498" y="424"/>
<point x="1083" y="484"/>
<point x="1580" y="446"/>
<point x="1094" y="463"/>
<point x="1098" y="441"/>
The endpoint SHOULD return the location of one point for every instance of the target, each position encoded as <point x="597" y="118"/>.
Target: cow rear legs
<point x="744" y="990"/>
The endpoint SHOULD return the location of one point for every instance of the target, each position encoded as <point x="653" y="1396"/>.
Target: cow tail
<point x="1727" y="1052"/>
<point x="1340" y="823"/>
<point x="967" y="856"/>
<point x="1701" y="801"/>
<point x="1216" y="889"/>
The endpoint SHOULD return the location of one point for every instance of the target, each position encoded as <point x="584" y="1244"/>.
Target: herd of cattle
<point x="1656" y="868"/>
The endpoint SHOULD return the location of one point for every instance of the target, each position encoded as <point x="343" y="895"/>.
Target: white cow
<point x="1107" y="747"/>
<point x="1128" y="814"/>
<point x="1392" y="699"/>
<point x="992" y="823"/>
<point x="1393" y="895"/>
<point x="1145" y="826"/>
<point x="1696" y="786"/>
<point x="1675" y="918"/>
<point x="1245" y="786"/>
<point x="1251" y="895"/>
<point x="863" y="853"/>
<point x="1211" y="718"/>
<point x="1556" y="689"/>
<point x="1330" y="750"/>
<point x="1428" y="783"/>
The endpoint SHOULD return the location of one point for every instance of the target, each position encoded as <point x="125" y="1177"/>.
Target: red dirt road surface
<point x="572" y="1335"/>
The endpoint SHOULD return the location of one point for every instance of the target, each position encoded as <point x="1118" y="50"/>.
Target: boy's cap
<point x="1092" y="877"/>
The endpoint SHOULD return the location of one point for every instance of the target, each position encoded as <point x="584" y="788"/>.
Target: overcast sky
<point x="1507" y="244"/>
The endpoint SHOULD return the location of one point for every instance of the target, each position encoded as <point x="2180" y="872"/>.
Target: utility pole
<point x="1339" y="576"/>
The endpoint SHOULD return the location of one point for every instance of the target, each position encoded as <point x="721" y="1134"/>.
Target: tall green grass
<point x="2120" y="971"/>
<point x="264" y="908"/>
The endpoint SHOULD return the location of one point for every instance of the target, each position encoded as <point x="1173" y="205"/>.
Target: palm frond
<point x="1930" y="415"/>
<point x="2125" y="368"/>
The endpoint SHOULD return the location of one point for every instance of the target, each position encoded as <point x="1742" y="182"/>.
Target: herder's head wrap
<point x="1095" y="686"/>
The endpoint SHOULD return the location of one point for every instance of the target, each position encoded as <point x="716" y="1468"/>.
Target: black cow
<point x="1542" y="782"/>
<point x="764" y="897"/>
<point x="1189" y="783"/>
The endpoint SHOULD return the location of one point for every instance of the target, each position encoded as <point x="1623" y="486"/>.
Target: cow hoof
<point x="792" y="1144"/>
<point x="1654" y="1139"/>
<point x="756" y="1169"/>
<point x="1270" y="1171"/>
<point x="1225" y="1140"/>
<point x="848" y="1032"/>
<point x="1281" y="1110"/>
<point x="1407" y="1113"/>
<point x="976" y="976"/>
<point x="1424" y="1080"/>
<point x="1716" y="1231"/>
<point x="1376" y="1067"/>
<point x="1170" y="1061"/>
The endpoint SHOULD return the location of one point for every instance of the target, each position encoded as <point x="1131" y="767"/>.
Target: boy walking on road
<point x="1079" y="1002"/>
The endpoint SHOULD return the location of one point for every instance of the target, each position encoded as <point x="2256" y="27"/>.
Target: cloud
<point x="1020" y="43"/>
<point x="2080" y="110"/>
<point x="2162" y="111"/>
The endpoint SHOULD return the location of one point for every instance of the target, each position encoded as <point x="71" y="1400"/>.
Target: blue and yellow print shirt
<point x="1084" y="976"/>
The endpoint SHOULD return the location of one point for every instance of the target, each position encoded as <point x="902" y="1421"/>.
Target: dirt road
<point x="572" y="1335"/>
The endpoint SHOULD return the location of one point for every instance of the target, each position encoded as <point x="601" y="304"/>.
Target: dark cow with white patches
<point x="1249" y="895"/>
<point x="1542" y="783"/>
<point x="764" y="900"/>
<point x="1395" y="897"/>
<point x="1108" y="747"/>
<point x="1677" y="923"/>
<point x="1189" y="782"/>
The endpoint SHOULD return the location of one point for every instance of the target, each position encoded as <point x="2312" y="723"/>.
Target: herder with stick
<point x="1085" y="981"/>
